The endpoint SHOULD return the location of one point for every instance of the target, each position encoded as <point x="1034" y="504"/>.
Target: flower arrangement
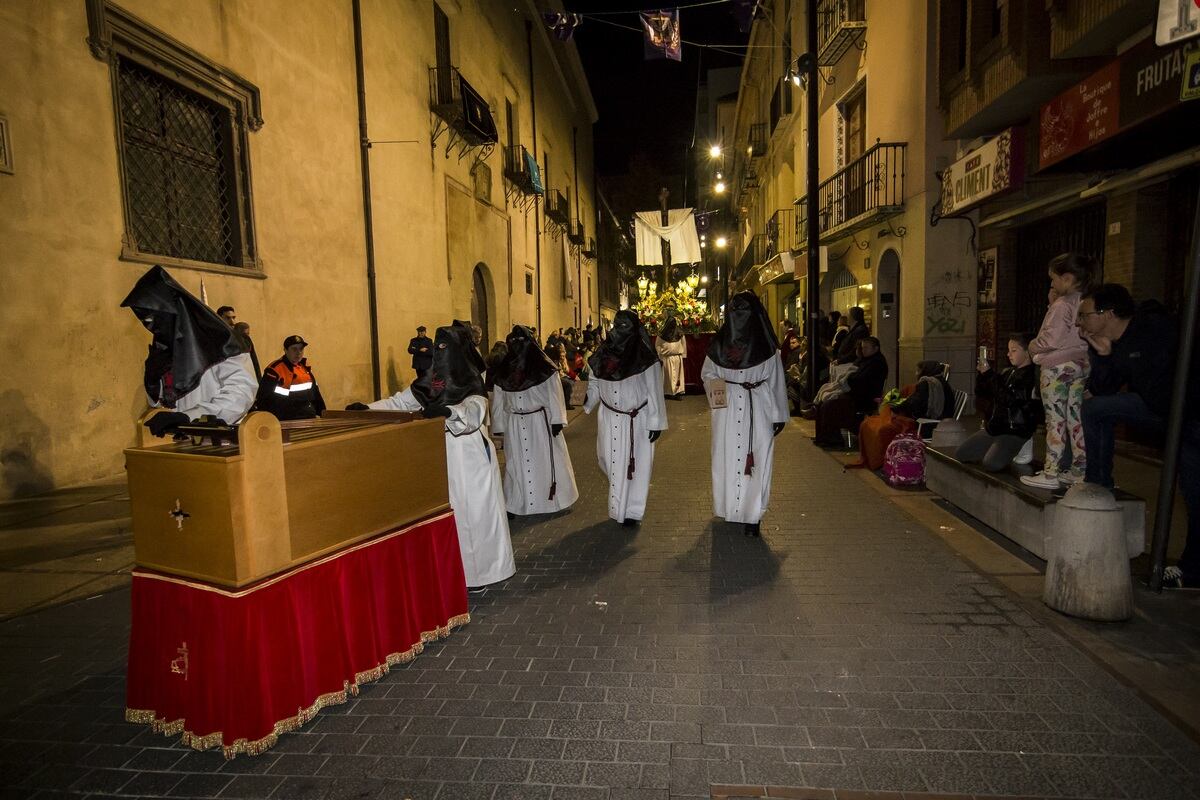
<point x="690" y="312"/>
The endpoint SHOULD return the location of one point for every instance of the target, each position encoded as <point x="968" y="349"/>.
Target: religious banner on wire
<point x="662" y="38"/>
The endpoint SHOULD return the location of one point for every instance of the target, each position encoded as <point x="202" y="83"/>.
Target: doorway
<point x="887" y="319"/>
<point x="479" y="307"/>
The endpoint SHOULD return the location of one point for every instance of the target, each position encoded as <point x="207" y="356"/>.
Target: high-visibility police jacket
<point x="289" y="391"/>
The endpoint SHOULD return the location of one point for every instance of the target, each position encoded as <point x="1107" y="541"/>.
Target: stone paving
<point x="847" y="648"/>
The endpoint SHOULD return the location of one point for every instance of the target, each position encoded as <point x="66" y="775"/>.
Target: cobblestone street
<point x="848" y="648"/>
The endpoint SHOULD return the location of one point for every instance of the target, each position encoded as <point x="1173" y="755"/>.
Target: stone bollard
<point x="1087" y="571"/>
<point x="948" y="434"/>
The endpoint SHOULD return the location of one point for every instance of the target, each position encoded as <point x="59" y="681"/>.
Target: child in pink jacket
<point x="1063" y="356"/>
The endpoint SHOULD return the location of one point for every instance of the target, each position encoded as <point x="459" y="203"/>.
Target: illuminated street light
<point x="714" y="151"/>
<point x="722" y="241"/>
<point x="719" y="187"/>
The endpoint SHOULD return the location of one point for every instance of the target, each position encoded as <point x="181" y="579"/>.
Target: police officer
<point x="288" y="388"/>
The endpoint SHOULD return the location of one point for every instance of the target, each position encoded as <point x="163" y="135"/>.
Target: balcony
<point x="839" y="23"/>
<point x="781" y="232"/>
<point x="866" y="191"/>
<point x="521" y="170"/>
<point x="781" y="103"/>
<point x="557" y="208"/>
<point x="756" y="144"/>
<point x="754" y="255"/>
<point x="462" y="109"/>
<point x="576" y="234"/>
<point x="749" y="180"/>
<point x="589" y="252"/>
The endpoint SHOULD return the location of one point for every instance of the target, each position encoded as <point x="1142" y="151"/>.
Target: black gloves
<point x="358" y="407"/>
<point x="778" y="427"/>
<point x="556" y="429"/>
<point x="429" y="412"/>
<point x="160" y="424"/>
<point x="654" y="435"/>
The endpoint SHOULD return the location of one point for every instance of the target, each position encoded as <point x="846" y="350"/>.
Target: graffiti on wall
<point x="947" y="313"/>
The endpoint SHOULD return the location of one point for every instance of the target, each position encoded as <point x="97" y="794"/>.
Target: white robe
<point x="627" y="497"/>
<point x="474" y="482"/>
<point x="672" y="355"/>
<point x="738" y="497"/>
<point x="530" y="449"/>
<point x="226" y="390"/>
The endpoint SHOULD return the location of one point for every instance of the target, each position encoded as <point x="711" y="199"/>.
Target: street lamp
<point x="721" y="242"/>
<point x="714" y="151"/>
<point x="719" y="187"/>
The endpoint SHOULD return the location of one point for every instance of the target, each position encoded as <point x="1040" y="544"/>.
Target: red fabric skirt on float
<point x="236" y="668"/>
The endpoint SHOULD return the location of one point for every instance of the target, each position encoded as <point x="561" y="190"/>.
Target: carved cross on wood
<point x="178" y="514"/>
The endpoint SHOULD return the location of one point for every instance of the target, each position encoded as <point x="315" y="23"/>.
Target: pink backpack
<point x="904" y="461"/>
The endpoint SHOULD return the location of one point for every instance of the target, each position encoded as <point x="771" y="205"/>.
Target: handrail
<point x="871" y="184"/>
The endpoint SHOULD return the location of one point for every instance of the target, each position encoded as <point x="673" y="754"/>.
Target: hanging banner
<point x="991" y="170"/>
<point x="662" y="34"/>
<point x="562" y="25"/>
<point x="743" y="12"/>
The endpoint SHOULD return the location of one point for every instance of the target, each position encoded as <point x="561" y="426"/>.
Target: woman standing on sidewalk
<point x="1062" y="354"/>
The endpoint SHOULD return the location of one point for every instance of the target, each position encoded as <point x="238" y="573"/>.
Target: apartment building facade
<point x="880" y="149"/>
<point x="346" y="171"/>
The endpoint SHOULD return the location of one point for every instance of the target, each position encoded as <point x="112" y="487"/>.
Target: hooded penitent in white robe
<point x="474" y="483"/>
<point x="538" y="476"/>
<point x="672" y="355"/>
<point x="616" y="443"/>
<point x="226" y="390"/>
<point x="738" y="497"/>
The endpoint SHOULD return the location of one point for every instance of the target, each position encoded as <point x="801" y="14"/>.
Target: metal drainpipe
<point x="537" y="216"/>
<point x="812" y="179"/>
<point x="368" y="224"/>
<point x="578" y="257"/>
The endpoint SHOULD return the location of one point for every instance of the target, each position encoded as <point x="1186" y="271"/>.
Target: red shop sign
<point x="1080" y="117"/>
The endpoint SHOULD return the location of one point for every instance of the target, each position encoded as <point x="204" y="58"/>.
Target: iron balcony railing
<point x="590" y="250"/>
<point x="865" y="191"/>
<point x="516" y="169"/>
<point x="557" y="208"/>
<point x="839" y="23"/>
<point x="575" y="233"/>
<point x="781" y="232"/>
<point x="781" y="103"/>
<point x="754" y="255"/>
<point x="461" y="107"/>
<point x="756" y="145"/>
<point x="749" y="180"/>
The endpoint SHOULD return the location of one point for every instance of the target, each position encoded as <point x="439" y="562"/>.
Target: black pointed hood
<point x="457" y="371"/>
<point x="670" y="331"/>
<point x="525" y="365"/>
<point x="745" y="338"/>
<point x="625" y="352"/>
<point x="188" y="336"/>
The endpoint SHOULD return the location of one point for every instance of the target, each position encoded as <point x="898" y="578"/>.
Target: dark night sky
<point x="647" y="106"/>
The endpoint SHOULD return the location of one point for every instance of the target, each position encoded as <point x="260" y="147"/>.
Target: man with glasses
<point x="1134" y="349"/>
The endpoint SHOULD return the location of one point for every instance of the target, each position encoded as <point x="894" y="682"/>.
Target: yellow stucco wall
<point x="71" y="390"/>
<point x="896" y="66"/>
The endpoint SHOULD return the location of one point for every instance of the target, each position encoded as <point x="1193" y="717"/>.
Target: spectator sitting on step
<point x="1133" y="353"/>
<point x="864" y="386"/>
<point x="1016" y="409"/>
<point x="932" y="397"/>
<point x="859" y="330"/>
